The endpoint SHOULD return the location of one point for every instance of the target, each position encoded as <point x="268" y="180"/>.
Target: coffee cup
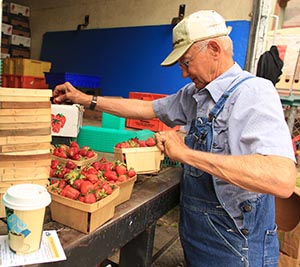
<point x="25" y="206"/>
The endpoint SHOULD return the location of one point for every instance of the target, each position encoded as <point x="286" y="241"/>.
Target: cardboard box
<point x="20" y="40"/>
<point x="18" y="9"/>
<point x="286" y="261"/>
<point x="290" y="242"/>
<point x="19" y="51"/>
<point x="142" y="159"/>
<point x="81" y="216"/>
<point x="18" y="20"/>
<point x="72" y="114"/>
<point x="7" y="29"/>
<point x="22" y="31"/>
<point x="31" y="67"/>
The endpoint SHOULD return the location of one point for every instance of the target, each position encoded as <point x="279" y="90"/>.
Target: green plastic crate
<point x="112" y="121"/>
<point x="105" y="139"/>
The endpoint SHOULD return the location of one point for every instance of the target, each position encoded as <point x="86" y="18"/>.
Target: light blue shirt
<point x="251" y="122"/>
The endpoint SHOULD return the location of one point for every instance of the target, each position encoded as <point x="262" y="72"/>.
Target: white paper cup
<point x="25" y="206"/>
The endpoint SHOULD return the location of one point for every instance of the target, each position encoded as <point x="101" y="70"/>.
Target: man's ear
<point x="214" y="47"/>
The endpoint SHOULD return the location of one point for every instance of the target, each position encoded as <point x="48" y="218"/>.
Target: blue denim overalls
<point x="210" y="236"/>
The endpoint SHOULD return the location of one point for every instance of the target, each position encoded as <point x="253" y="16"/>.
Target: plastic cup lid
<point x="26" y="197"/>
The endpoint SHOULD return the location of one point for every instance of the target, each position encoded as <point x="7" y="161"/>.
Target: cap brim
<point x="176" y="54"/>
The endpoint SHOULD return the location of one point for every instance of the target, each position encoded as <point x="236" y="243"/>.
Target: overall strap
<point x="221" y="102"/>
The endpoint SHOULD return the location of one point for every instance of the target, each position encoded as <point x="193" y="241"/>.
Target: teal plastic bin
<point x="112" y="121"/>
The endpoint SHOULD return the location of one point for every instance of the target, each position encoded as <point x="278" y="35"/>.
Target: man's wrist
<point x="93" y="102"/>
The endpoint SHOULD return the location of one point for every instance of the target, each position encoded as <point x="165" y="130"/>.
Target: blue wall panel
<point x="127" y="59"/>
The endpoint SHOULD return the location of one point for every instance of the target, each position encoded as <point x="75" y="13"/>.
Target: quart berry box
<point x="142" y="159"/>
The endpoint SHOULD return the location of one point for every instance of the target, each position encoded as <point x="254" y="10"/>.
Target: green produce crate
<point x="112" y="121"/>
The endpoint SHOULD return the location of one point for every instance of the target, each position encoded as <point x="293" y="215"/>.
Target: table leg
<point x="138" y="252"/>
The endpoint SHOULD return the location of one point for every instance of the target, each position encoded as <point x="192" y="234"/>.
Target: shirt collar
<point x="218" y="86"/>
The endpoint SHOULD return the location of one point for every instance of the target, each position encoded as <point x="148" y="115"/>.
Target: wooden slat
<point x="24" y="119"/>
<point x="24" y="147"/>
<point x="24" y="105"/>
<point x="31" y="125"/>
<point x="24" y="98"/>
<point x="27" y="132"/>
<point x="4" y="185"/>
<point x="13" y="140"/>
<point x="21" y="158"/>
<point x="24" y="112"/>
<point x="25" y="164"/>
<point x="27" y="152"/>
<point x="25" y="92"/>
<point x="17" y="174"/>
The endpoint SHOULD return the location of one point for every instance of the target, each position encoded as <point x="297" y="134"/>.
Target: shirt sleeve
<point x="178" y="108"/>
<point x="257" y="121"/>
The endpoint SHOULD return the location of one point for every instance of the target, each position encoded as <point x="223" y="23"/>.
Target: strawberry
<point x="122" y="178"/>
<point x="107" y="188"/>
<point x="142" y="143"/>
<point x="74" y="144"/>
<point x="120" y="168"/>
<point x="90" y="198"/>
<point x="71" y="151"/>
<point x="76" y="157"/>
<point x="131" y="172"/>
<point x="150" y="141"/>
<point x="54" y="163"/>
<point x="70" y="165"/>
<point x="90" y="154"/>
<point x="125" y="145"/>
<point x="93" y="178"/>
<point x="97" y="165"/>
<point x="110" y="175"/>
<point x="85" y="187"/>
<point x="77" y="183"/>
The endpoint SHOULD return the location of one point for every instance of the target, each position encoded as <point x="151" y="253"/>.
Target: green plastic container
<point x="104" y="139"/>
<point x="112" y="121"/>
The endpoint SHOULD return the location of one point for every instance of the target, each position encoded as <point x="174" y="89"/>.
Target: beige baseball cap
<point x="201" y="25"/>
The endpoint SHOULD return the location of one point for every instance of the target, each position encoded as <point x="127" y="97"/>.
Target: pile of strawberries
<point x="73" y="151"/>
<point x="135" y="142"/>
<point x="89" y="183"/>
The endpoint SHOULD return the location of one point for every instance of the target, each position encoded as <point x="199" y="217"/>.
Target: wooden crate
<point x="142" y="159"/>
<point x="81" y="216"/>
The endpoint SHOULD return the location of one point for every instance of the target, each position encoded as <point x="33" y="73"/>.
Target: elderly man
<point x="237" y="153"/>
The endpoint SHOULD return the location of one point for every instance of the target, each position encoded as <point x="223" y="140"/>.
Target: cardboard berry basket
<point x="78" y="163"/>
<point x="81" y="216"/>
<point x="142" y="159"/>
<point x="126" y="188"/>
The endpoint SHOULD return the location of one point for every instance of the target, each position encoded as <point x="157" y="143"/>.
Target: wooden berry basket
<point x="78" y="163"/>
<point x="82" y="216"/>
<point x="126" y="188"/>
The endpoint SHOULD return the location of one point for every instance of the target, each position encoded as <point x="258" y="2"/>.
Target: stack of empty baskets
<point x="25" y="138"/>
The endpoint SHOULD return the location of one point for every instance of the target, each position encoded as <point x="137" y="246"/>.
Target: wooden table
<point x="131" y="230"/>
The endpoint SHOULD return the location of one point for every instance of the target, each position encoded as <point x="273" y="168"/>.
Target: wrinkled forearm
<point x="264" y="174"/>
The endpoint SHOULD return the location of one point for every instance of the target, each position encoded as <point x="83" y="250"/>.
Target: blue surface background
<point x="127" y="59"/>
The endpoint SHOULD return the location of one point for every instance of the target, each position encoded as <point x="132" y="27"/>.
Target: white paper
<point x="51" y="250"/>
